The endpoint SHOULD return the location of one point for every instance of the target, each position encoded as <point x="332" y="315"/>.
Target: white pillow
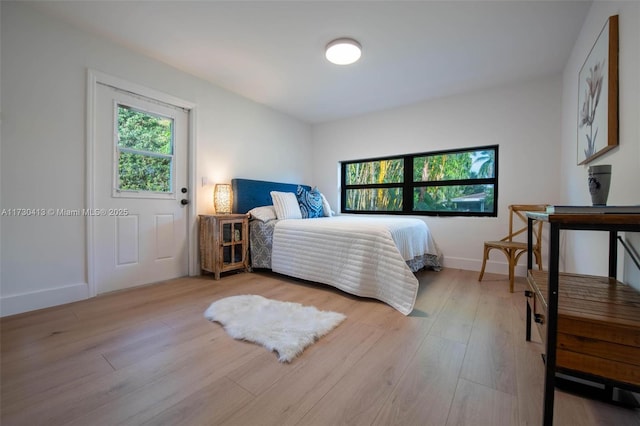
<point x="326" y="207"/>
<point x="263" y="214"/>
<point x="286" y="205"/>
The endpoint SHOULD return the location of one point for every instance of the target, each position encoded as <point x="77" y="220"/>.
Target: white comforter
<point x="363" y="256"/>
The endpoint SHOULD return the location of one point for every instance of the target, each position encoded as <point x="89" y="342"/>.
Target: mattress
<point x="363" y="256"/>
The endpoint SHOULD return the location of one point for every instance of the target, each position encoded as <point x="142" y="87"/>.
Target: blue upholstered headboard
<point x="248" y="193"/>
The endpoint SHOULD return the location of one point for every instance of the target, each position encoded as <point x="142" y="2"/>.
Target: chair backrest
<point x="518" y="222"/>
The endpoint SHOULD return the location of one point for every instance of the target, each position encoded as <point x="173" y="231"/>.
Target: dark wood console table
<point x="597" y="318"/>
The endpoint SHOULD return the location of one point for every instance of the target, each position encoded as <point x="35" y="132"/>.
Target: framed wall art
<point x="598" y="96"/>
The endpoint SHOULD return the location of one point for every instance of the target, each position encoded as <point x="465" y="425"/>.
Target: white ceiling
<point x="273" y="52"/>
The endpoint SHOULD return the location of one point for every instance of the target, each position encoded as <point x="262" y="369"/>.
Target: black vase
<point x="599" y="182"/>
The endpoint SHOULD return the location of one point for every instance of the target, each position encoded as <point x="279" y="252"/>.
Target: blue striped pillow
<point x="310" y="202"/>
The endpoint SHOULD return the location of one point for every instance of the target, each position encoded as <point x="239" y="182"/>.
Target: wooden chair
<point x="514" y="249"/>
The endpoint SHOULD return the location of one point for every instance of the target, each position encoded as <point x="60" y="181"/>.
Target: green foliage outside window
<point x="468" y="165"/>
<point x="376" y="172"/>
<point x="443" y="198"/>
<point x="448" y="181"/>
<point x="144" y="173"/>
<point x="382" y="171"/>
<point x="145" y="151"/>
<point x="383" y="199"/>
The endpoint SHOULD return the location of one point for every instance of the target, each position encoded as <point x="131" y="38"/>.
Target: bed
<point x="365" y="256"/>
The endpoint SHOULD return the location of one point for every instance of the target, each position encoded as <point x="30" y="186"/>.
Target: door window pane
<point x="140" y="172"/>
<point x="145" y="149"/>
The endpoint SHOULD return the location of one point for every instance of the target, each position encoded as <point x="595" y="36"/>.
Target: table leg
<point x="552" y="325"/>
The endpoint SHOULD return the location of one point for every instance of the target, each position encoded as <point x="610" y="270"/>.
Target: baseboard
<point x="24" y="302"/>
<point x="492" y="267"/>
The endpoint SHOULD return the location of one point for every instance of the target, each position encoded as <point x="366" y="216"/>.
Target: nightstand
<point x="224" y="243"/>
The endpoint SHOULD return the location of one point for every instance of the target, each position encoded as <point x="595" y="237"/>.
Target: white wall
<point x="523" y="119"/>
<point x="587" y="252"/>
<point x="44" y="66"/>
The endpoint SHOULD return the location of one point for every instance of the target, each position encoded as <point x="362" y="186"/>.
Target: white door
<point x="140" y="181"/>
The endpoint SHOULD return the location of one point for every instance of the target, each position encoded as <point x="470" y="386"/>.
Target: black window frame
<point x="408" y="185"/>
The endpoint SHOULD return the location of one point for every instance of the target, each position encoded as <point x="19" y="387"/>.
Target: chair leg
<point x="512" y="265"/>
<point x="484" y="262"/>
<point x="538" y="259"/>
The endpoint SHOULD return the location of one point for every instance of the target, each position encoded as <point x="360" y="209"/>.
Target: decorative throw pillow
<point x="326" y="207"/>
<point x="263" y="214"/>
<point x="310" y="202"/>
<point x="286" y="205"/>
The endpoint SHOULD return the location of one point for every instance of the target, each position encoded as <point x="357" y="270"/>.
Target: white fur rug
<point x="285" y="327"/>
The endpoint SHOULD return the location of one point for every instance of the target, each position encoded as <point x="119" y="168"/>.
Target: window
<point x="461" y="182"/>
<point x="145" y="153"/>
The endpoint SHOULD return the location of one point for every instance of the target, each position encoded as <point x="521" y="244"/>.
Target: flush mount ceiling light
<point x="343" y="51"/>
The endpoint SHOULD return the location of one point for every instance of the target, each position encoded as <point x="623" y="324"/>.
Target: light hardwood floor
<point x="148" y="356"/>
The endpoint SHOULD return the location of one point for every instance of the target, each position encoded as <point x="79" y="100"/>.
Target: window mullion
<point x="407" y="190"/>
<point x="147" y="153"/>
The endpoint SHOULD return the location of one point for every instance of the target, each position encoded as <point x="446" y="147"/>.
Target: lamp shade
<point x="222" y="198"/>
<point x="343" y="51"/>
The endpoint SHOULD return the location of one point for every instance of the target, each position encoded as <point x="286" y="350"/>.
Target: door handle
<point x="184" y="201"/>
